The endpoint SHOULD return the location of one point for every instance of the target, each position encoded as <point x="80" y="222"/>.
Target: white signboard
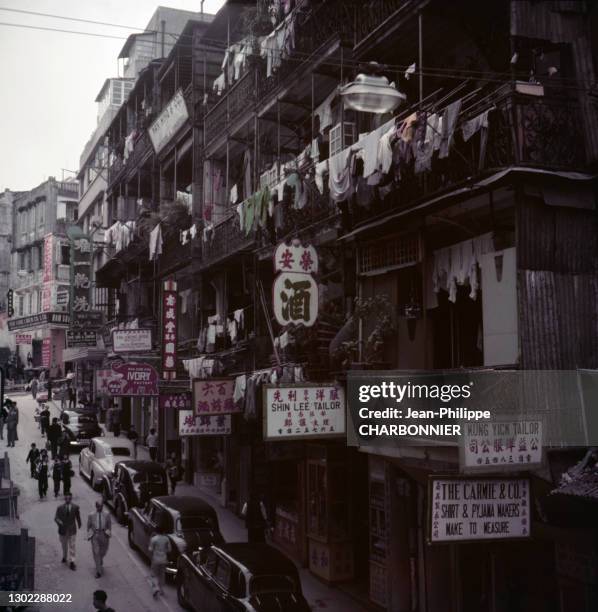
<point x="203" y="425"/>
<point x="23" y="338"/>
<point x="479" y="509"/>
<point x="303" y="411"/>
<point x="295" y="299"/>
<point x="169" y="121"/>
<point x="295" y="257"/>
<point x="503" y="445"/>
<point x="131" y="340"/>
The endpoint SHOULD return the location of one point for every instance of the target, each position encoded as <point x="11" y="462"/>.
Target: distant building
<point x="6" y="205"/>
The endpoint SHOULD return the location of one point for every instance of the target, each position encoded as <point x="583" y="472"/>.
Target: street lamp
<point x="370" y="93"/>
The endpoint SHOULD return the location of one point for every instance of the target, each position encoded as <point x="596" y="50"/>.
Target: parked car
<point x="80" y="427"/>
<point x="99" y="458"/>
<point x="133" y="484"/>
<point x="189" y="522"/>
<point x="240" y="577"/>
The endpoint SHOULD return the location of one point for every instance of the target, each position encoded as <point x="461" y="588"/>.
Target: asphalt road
<point x="126" y="573"/>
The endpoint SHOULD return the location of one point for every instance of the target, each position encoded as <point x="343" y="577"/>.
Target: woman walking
<point x="159" y="548"/>
<point x="57" y="475"/>
<point x="174" y="470"/>
<point x="12" y="421"/>
<point x="42" y="473"/>
<point x="67" y="474"/>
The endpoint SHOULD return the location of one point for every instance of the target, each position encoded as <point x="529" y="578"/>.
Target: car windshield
<point x="151" y="477"/>
<point x="265" y="584"/>
<point x="83" y="418"/>
<point x="188" y="523"/>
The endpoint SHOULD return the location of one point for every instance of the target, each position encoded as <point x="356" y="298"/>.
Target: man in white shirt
<point x="99" y="530"/>
<point x="152" y="444"/>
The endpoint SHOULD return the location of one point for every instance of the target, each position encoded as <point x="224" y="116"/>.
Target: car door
<point x="84" y="457"/>
<point x="219" y="583"/>
<point x="148" y="519"/>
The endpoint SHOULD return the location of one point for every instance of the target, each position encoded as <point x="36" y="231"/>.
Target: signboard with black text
<point x="80" y="338"/>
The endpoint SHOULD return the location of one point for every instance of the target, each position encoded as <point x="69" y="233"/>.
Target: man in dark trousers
<point x="44" y="419"/>
<point x="32" y="457"/>
<point x="256" y="519"/>
<point x="54" y="434"/>
<point x="68" y="520"/>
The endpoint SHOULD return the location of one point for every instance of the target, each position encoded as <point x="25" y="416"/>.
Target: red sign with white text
<point x="169" y="329"/>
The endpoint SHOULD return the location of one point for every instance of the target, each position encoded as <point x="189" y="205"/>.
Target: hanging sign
<point x="464" y="509"/>
<point x="169" y="329"/>
<point x="204" y="425"/>
<point x="131" y="340"/>
<point x="295" y="257"/>
<point x="80" y="275"/>
<point x="23" y="338"/>
<point x="303" y="411"/>
<point x="81" y="337"/>
<point x="176" y="400"/>
<point x="132" y="379"/>
<point x="506" y="445"/>
<point x="46" y="352"/>
<point x="214" y="396"/>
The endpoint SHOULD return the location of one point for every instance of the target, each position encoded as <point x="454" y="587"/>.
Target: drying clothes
<point x="239" y="61"/>
<point x="469" y="128"/>
<point x="241" y="213"/>
<point x="340" y="184"/>
<point x="219" y="84"/>
<point x="449" y="121"/>
<point x="250" y="400"/>
<point x="424" y="149"/>
<point x="184" y="236"/>
<point x="441" y="269"/>
<point x="268" y="50"/>
<point x="193" y="231"/>
<point x="234" y="195"/>
<point x="239" y="388"/>
<point x="262" y="200"/>
<point x="247" y="188"/>
<point x="239" y="316"/>
<point x="456" y="265"/>
<point x="301" y="190"/>
<point x="324" y="111"/>
<point x="321" y="170"/>
<point x="284" y="340"/>
<point x="370" y="153"/>
<point x="385" y="151"/>
<point x="407" y="129"/>
<point x="249" y="214"/>
<point x="314" y="152"/>
<point x="232" y="329"/>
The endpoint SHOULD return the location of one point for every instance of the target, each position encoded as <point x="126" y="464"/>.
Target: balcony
<point x="525" y="131"/>
<point x="227" y="239"/>
<point x="372" y="15"/>
<point x="239" y="99"/>
<point x="141" y="148"/>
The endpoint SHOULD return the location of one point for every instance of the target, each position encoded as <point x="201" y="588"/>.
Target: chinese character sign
<point x="295" y="258"/>
<point x="48" y="258"/>
<point x="507" y="445"/>
<point x="295" y="291"/>
<point x="307" y="411"/>
<point x="46" y="352"/>
<point x="181" y="401"/>
<point x="169" y="329"/>
<point x="490" y="509"/>
<point x="81" y="249"/>
<point x="203" y="425"/>
<point x="214" y="396"/>
<point x="132" y="379"/>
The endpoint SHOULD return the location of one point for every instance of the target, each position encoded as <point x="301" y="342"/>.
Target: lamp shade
<point x="371" y="94"/>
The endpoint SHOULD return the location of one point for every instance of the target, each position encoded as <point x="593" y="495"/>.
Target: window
<point x="41" y="214"/>
<point x="21" y="306"/>
<point x="39" y="300"/>
<point x="65" y="254"/>
<point x="61" y="210"/>
<point x="223" y="573"/>
<point x="211" y="563"/>
<point x="30" y="305"/>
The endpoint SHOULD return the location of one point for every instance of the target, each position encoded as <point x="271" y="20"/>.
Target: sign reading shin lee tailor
<point x="464" y="509"/>
<point x="132" y="379"/>
<point x="304" y="411"/>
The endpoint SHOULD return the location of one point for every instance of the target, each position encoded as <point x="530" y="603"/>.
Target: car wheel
<point x="120" y="512"/>
<point x="181" y="592"/>
<point x="131" y="539"/>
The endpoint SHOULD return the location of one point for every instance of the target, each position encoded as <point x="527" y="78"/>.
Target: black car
<point x="189" y="522"/>
<point x="240" y="577"/>
<point x="80" y="427"/>
<point x="133" y="484"/>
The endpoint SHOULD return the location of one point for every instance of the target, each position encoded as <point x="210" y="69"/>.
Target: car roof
<point x="142" y="466"/>
<point x="186" y="505"/>
<point x="113" y="442"/>
<point x="258" y="559"/>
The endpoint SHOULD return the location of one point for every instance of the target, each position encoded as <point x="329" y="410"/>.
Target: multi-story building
<point x="40" y="272"/>
<point x="269" y="241"/>
<point x="6" y="210"/>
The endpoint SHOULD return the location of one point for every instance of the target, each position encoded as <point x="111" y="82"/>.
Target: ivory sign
<point x="478" y="509"/>
<point x="303" y="411"/>
<point x="506" y="445"/>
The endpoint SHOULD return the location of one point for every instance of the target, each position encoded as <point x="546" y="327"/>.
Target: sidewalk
<point x="319" y="595"/>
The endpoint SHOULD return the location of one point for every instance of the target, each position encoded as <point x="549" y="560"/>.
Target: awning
<point x="471" y="190"/>
<point x="83" y="353"/>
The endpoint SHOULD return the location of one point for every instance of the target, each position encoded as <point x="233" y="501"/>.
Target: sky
<point x="49" y="80"/>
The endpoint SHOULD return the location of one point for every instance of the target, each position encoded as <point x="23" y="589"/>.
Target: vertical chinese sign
<point x="169" y="329"/>
<point x="80" y="276"/>
<point x="295" y="290"/>
<point x="48" y="276"/>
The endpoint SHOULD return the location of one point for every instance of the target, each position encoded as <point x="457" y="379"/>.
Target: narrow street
<point x="126" y="573"/>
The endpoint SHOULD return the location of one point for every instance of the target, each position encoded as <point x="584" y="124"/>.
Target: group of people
<point x="61" y="471"/>
<point x="9" y="417"/>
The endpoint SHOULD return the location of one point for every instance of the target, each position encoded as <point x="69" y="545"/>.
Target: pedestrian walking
<point x="99" y="531"/>
<point x="34" y="388"/>
<point x="54" y="433"/>
<point x="64" y="444"/>
<point x="133" y="436"/>
<point x="57" y="475"/>
<point x="32" y="457"/>
<point x="42" y="474"/>
<point x="44" y="419"/>
<point x="72" y="396"/>
<point x="152" y="444"/>
<point x="256" y="520"/>
<point x="116" y="422"/>
<point x="3" y="415"/>
<point x="159" y="548"/>
<point x="12" y="420"/>
<point x="68" y="520"/>
<point x="49" y="388"/>
<point x="175" y="470"/>
<point x="67" y="474"/>
<point x="99" y="601"/>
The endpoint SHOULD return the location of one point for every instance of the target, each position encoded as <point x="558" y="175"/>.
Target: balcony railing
<point x="227" y="239"/>
<point x="524" y="130"/>
<point x="140" y="149"/>
<point x="372" y="14"/>
<point x="239" y="99"/>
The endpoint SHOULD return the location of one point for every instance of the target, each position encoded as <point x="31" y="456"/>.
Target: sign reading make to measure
<point x="132" y="379"/>
<point x="131" y="340"/>
<point x="464" y="509"/>
<point x="169" y="121"/>
<point x="304" y="411"/>
<point x="504" y="445"/>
